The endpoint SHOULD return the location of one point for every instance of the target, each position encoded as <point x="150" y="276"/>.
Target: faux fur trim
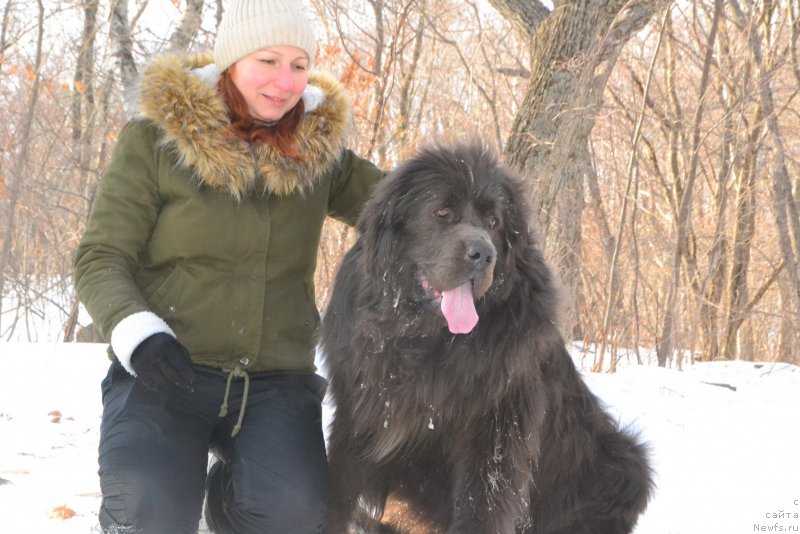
<point x="194" y="121"/>
<point x="131" y="331"/>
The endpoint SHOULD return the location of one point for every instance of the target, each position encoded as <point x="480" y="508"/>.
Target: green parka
<point x="204" y="236"/>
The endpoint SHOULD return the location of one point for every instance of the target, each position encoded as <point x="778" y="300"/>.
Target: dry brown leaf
<point x="56" y="416"/>
<point x="62" y="512"/>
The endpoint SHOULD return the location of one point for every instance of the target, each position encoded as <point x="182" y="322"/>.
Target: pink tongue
<point x="459" y="309"/>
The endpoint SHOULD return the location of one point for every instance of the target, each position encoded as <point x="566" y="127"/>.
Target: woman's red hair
<point x="280" y="136"/>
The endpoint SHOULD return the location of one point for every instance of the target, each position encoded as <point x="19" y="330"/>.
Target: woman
<point x="197" y="264"/>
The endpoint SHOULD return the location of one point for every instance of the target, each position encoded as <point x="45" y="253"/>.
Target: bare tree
<point x="83" y="80"/>
<point x="83" y="119"/>
<point x="122" y="41"/>
<point x="744" y="231"/>
<point x="794" y="23"/>
<point x="487" y="86"/>
<point x="3" y="46"/>
<point x="573" y="51"/>
<point x="787" y="328"/>
<point x="3" y="32"/>
<point x="186" y="31"/>
<point x="408" y="78"/>
<point x="667" y="343"/>
<point x="710" y="291"/>
<point x="18" y="173"/>
<point x="615" y="268"/>
<point x="785" y="206"/>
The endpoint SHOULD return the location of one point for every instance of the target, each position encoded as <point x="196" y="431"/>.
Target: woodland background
<point x="659" y="142"/>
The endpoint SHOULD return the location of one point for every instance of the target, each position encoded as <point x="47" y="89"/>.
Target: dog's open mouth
<point x="457" y="305"/>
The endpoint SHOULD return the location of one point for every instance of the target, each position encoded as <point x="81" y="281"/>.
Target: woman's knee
<point x="301" y="513"/>
<point x="300" y="509"/>
<point x="136" y="500"/>
<point x="298" y="505"/>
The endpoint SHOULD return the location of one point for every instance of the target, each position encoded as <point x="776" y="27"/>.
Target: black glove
<point x="163" y="364"/>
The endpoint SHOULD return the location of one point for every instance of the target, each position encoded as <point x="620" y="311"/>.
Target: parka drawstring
<point x="223" y="411"/>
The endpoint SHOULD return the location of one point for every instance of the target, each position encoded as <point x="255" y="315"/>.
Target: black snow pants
<point x="271" y="477"/>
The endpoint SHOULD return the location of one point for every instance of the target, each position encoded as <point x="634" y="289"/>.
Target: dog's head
<point x="440" y="234"/>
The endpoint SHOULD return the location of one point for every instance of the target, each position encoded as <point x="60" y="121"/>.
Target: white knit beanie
<point x="250" y="25"/>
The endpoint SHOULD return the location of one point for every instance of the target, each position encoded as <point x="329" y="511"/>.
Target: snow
<point x="725" y="440"/>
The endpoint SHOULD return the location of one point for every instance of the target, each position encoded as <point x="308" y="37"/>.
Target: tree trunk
<point x="3" y="46"/>
<point x="666" y="345"/>
<point x="710" y="292"/>
<point x="18" y="173"/>
<point x="788" y="334"/>
<point x="794" y="13"/>
<point x="83" y="120"/>
<point x="600" y="214"/>
<point x="122" y="43"/>
<point x="785" y="206"/>
<point x="573" y="49"/>
<point x="409" y="76"/>
<point x="3" y="32"/>
<point x="614" y="273"/>
<point x="220" y="9"/>
<point x="84" y="69"/>
<point x="184" y="34"/>
<point x="374" y="147"/>
<point x="743" y="233"/>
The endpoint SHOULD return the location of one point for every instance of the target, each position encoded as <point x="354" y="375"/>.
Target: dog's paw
<point x="364" y="523"/>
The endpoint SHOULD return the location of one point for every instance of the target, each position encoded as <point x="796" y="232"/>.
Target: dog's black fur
<point x="488" y="432"/>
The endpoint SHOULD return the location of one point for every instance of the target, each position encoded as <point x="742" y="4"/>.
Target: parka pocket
<point x="293" y="320"/>
<point x="306" y="318"/>
<point x="159" y="290"/>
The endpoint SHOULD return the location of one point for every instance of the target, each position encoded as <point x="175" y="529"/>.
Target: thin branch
<point x="614" y="268"/>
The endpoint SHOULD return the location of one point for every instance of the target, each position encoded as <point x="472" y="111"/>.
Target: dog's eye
<point x="444" y="213"/>
<point x="491" y="222"/>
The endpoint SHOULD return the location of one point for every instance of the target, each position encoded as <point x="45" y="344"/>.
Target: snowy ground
<point x="727" y="456"/>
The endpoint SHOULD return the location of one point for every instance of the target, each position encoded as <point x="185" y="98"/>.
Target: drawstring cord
<point x="223" y="411"/>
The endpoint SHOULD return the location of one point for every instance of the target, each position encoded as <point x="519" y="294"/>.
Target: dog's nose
<point x="480" y="254"/>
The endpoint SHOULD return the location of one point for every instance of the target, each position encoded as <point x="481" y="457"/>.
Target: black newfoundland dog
<point x="456" y="400"/>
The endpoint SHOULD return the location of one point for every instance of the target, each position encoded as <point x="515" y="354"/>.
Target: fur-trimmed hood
<point x="179" y="94"/>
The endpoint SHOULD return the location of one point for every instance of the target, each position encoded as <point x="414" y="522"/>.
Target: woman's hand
<point x="163" y="365"/>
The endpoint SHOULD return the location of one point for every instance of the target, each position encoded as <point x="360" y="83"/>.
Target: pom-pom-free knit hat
<point x="249" y="25"/>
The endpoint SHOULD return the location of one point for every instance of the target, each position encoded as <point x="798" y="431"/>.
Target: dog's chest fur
<point x="408" y="391"/>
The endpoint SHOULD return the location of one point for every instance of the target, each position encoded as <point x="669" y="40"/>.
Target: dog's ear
<point x="526" y="277"/>
<point x="518" y="240"/>
<point x="378" y="227"/>
<point x="517" y="212"/>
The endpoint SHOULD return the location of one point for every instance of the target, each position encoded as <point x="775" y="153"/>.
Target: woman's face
<point x="271" y="80"/>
